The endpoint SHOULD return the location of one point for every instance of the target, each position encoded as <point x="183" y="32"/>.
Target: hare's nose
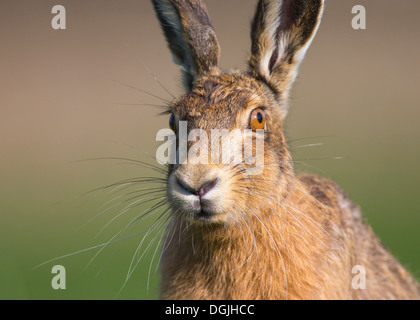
<point x="201" y="191"/>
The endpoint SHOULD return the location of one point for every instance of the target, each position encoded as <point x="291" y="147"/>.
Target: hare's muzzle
<point x="196" y="192"/>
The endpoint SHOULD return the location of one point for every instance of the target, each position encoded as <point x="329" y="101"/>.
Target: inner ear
<point x="282" y="31"/>
<point x="291" y="11"/>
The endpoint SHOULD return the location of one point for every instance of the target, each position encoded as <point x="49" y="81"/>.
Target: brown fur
<point x="306" y="264"/>
<point x="273" y="235"/>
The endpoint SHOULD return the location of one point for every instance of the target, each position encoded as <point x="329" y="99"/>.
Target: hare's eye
<point x="257" y="120"/>
<point x="172" y="122"/>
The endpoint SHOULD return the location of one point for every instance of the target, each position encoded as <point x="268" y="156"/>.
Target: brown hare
<point x="272" y="234"/>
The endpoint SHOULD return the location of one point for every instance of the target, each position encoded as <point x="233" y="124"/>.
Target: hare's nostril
<point x="207" y="187"/>
<point x="185" y="186"/>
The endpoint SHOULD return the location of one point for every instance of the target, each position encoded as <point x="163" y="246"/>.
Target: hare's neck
<point x="244" y="259"/>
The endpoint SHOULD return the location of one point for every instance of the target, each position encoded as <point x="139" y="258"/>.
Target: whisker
<point x="148" y="230"/>
<point x="87" y="249"/>
<point x="141" y="163"/>
<point x="125" y="184"/>
<point x="297" y="210"/>
<point x="163" y="202"/>
<point x="141" y="90"/>
<point x="319" y="159"/>
<point x="307" y="138"/>
<point x="155" y="78"/>
<point x="106" y="209"/>
<point x="128" y="208"/>
<point x="309" y="145"/>
<point x="131" y="268"/>
<point x="143" y="105"/>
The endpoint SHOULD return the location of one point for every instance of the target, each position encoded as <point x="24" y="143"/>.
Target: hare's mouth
<point x="203" y="203"/>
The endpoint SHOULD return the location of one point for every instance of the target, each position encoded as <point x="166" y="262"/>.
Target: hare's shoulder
<point x="329" y="194"/>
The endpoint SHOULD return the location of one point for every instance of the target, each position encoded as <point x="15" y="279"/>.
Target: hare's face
<point x="223" y="182"/>
<point x="220" y="191"/>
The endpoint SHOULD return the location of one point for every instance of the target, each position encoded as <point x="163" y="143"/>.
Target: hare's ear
<point x="190" y="36"/>
<point x="282" y="31"/>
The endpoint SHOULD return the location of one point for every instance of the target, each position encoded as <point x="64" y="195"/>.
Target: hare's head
<point x="223" y="115"/>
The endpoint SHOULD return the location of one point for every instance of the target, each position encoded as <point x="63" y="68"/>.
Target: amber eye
<point x="172" y="122"/>
<point x="257" y="120"/>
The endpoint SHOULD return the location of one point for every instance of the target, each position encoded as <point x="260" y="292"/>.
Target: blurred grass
<point x="58" y="228"/>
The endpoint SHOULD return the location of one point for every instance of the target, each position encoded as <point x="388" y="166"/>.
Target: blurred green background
<point x="354" y="118"/>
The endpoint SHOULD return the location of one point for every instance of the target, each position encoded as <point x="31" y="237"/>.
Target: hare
<point x="271" y="235"/>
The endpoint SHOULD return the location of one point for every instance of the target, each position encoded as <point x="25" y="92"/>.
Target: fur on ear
<point x="281" y="33"/>
<point x="190" y="36"/>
